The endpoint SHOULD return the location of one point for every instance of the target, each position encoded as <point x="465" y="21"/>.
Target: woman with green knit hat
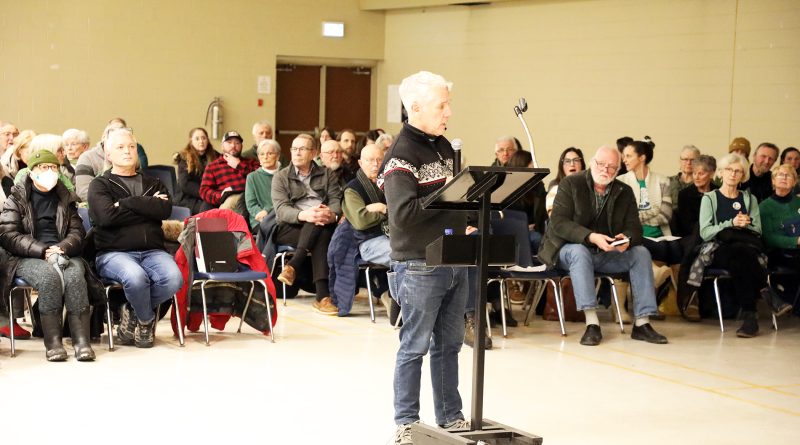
<point x="42" y="234"/>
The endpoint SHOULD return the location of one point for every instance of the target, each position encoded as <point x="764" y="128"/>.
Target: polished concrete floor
<point x="329" y="380"/>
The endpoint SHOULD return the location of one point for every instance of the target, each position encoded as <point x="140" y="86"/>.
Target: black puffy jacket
<point x="17" y="223"/>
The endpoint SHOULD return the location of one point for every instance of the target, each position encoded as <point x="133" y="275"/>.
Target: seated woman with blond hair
<point x="780" y="221"/>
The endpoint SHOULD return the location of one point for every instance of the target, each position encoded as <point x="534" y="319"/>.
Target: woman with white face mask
<point x="41" y="231"/>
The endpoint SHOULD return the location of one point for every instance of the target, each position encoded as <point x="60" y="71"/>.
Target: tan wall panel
<point x="159" y="63"/>
<point x="595" y="70"/>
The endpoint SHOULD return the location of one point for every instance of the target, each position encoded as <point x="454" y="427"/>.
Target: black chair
<point x="180" y="213"/>
<point x="166" y="174"/>
<point x="515" y="222"/>
<point x="367" y="268"/>
<point x="204" y="278"/>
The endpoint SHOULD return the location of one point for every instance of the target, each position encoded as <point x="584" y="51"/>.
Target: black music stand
<point x="479" y="189"/>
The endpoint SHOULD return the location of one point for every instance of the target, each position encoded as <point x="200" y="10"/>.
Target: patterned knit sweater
<point x="417" y="165"/>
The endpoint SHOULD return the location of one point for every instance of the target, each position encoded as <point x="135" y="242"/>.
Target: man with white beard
<point x="332" y="157"/>
<point x="595" y="227"/>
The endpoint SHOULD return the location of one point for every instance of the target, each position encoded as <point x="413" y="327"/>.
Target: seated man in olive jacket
<point x="126" y="209"/>
<point x="595" y="227"/>
<point x="308" y="203"/>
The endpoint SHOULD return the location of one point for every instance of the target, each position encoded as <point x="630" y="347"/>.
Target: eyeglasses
<point x="733" y="171"/>
<point x="296" y="149"/>
<point x="52" y="167"/>
<point x="783" y="175"/>
<point x="571" y="161"/>
<point x="607" y="166"/>
<point x="687" y="159"/>
<point x="505" y="150"/>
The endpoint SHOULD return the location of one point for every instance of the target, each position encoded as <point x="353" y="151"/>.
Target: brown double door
<point x="310" y="97"/>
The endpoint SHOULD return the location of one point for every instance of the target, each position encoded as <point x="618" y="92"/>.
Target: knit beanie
<point x="42" y="157"/>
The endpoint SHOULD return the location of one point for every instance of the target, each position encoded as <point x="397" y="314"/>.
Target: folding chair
<point x="367" y="267"/>
<point x="204" y="277"/>
<point x="180" y="213"/>
<point x="166" y="174"/>
<point x="515" y="222"/>
<point x="776" y="272"/>
<point x="110" y="285"/>
<point x="19" y="283"/>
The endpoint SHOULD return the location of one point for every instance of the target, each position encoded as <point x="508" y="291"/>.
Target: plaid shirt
<point x="219" y="175"/>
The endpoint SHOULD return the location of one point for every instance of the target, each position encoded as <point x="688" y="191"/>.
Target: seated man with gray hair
<point x="262" y="130"/>
<point x="308" y="204"/>
<point x="504" y="149"/>
<point x="126" y="209"/>
<point x="594" y="228"/>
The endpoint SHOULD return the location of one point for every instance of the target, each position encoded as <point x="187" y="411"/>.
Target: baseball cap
<point x="231" y="135"/>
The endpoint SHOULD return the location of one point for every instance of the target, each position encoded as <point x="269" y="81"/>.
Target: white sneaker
<point x="458" y="425"/>
<point x="403" y="434"/>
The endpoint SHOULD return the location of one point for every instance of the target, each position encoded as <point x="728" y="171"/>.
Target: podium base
<point x="493" y="433"/>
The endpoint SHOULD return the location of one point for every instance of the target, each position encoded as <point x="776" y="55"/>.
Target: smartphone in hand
<point x="620" y="242"/>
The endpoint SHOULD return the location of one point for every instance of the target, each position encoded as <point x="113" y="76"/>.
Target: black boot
<point x="749" y="326"/>
<point x="79" y="329"/>
<point x="778" y="306"/>
<point x="51" y="330"/>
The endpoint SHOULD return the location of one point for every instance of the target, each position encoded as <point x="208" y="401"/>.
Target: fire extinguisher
<point x="215" y="112"/>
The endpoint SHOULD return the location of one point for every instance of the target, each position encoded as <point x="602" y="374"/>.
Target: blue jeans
<point x="149" y="278"/>
<point x="432" y="303"/>
<point x="582" y="263"/>
<point x="376" y="250"/>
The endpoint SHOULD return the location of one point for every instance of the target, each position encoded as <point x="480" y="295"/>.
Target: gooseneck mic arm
<point x="518" y="110"/>
<point x="456" y="143"/>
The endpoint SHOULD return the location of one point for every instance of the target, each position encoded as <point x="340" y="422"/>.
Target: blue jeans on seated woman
<point x="432" y="304"/>
<point x="148" y="277"/>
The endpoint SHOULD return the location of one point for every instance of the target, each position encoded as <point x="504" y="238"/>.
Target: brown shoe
<point x="692" y="313"/>
<point x="325" y="306"/>
<point x="515" y="293"/>
<point x="287" y="275"/>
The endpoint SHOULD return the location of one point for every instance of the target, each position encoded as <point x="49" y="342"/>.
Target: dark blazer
<point x="573" y="219"/>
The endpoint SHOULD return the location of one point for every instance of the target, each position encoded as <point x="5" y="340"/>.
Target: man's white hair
<point x="260" y="124"/>
<point x="79" y="135"/>
<point x="117" y="132"/>
<point x="418" y="88"/>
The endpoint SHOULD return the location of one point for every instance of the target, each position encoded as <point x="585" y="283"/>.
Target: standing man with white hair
<point x="594" y="227"/>
<point x="431" y="298"/>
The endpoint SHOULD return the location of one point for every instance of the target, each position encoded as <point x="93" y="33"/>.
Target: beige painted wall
<point x="159" y="63"/>
<point x="680" y="71"/>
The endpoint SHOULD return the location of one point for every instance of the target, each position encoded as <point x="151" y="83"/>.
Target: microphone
<point x="456" y="143"/>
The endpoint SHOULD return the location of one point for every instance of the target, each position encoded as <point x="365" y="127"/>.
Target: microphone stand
<point x="518" y="110"/>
